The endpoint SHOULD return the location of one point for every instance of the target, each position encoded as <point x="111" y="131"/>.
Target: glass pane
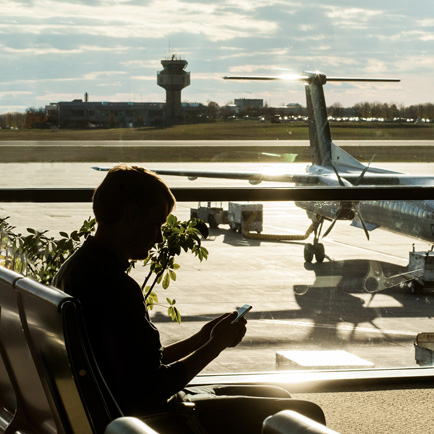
<point x="353" y="303"/>
<point x="360" y="307"/>
<point x="84" y="85"/>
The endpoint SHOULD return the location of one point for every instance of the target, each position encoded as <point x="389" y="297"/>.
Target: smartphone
<point x="241" y="312"/>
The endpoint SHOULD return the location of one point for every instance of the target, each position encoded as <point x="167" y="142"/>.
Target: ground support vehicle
<point x="245" y="216"/>
<point x="424" y="349"/>
<point x="424" y="263"/>
<point x="211" y="213"/>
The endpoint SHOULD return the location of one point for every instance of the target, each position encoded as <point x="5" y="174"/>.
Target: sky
<point x="55" y="50"/>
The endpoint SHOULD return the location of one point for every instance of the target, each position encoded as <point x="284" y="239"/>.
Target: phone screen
<point x="241" y="312"/>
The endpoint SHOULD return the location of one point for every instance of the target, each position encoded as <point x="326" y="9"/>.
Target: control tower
<point x="173" y="78"/>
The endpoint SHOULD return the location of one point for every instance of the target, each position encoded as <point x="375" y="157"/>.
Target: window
<point x="341" y="303"/>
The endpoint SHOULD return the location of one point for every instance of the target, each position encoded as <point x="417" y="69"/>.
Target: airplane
<point x="332" y="166"/>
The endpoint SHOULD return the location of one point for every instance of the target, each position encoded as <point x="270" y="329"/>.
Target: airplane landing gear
<point x="308" y="252"/>
<point x="316" y="249"/>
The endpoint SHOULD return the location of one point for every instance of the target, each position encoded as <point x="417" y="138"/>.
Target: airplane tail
<point x="319" y="128"/>
<point x="323" y="151"/>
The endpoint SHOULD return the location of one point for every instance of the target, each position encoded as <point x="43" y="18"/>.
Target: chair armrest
<point x="291" y="422"/>
<point x="128" y="425"/>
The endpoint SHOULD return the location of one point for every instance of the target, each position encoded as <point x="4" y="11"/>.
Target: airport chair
<point x="8" y="403"/>
<point x="291" y="422"/>
<point x="78" y="396"/>
<point x="128" y="425"/>
<point x="23" y="401"/>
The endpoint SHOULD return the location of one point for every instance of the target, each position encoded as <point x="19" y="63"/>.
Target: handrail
<point x="263" y="194"/>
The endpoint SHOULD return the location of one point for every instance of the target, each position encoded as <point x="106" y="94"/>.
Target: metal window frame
<point x="192" y="194"/>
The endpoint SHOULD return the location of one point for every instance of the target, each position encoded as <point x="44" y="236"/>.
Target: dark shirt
<point x="126" y="344"/>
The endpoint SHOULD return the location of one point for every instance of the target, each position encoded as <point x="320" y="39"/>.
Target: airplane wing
<point x="252" y="177"/>
<point x="328" y="179"/>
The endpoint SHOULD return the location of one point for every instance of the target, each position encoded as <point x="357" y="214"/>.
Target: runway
<point x="296" y="306"/>
<point x="202" y="150"/>
<point x="202" y="143"/>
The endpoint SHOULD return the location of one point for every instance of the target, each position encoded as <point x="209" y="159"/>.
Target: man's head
<point x="127" y="185"/>
<point x="134" y="202"/>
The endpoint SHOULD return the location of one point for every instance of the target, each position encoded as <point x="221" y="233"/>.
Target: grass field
<point x="232" y="130"/>
<point x="240" y="131"/>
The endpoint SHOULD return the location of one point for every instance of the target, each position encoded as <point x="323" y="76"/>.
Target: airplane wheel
<point x="308" y="252"/>
<point x="319" y="252"/>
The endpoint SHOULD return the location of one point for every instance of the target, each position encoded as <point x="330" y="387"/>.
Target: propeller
<point x="354" y="205"/>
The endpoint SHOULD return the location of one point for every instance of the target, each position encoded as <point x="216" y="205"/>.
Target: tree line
<point x="376" y="110"/>
<point x="38" y="118"/>
<point x="31" y="118"/>
<point x="384" y="111"/>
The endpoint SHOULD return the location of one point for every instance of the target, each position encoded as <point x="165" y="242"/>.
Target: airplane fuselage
<point x="412" y="218"/>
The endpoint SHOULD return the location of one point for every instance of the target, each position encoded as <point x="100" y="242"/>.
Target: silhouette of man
<point x="130" y="206"/>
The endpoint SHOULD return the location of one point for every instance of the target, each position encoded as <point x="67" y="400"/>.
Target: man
<point x="130" y="206"/>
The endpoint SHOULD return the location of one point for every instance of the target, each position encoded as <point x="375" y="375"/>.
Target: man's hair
<point x="127" y="185"/>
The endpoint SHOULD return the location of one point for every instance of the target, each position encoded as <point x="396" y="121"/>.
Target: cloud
<point x="257" y="54"/>
<point x="144" y="78"/>
<point x="376" y="66"/>
<point x="96" y="75"/>
<point x="420" y="62"/>
<point x="418" y="35"/>
<point x="14" y="93"/>
<point x="215" y="21"/>
<point x="251" y="5"/>
<point x="351" y="17"/>
<point x="207" y="76"/>
<point x="45" y="49"/>
<point x="249" y="68"/>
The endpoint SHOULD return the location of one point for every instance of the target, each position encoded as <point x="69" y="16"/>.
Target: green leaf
<point x="171" y="220"/>
<point x="166" y="281"/>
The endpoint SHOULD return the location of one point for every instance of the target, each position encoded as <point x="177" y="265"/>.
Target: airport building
<point x="79" y="113"/>
<point x="82" y="113"/>
<point x="243" y="103"/>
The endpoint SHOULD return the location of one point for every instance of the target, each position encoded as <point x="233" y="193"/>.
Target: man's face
<point x="146" y="230"/>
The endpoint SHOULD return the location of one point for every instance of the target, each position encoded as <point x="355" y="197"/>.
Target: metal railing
<point x="263" y="194"/>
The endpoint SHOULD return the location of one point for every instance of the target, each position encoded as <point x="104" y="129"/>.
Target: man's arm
<point x="223" y="335"/>
<point x="183" y="348"/>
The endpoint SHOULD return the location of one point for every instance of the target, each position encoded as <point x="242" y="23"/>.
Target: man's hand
<point x="224" y="334"/>
<point x="183" y="348"/>
<point x="205" y="331"/>
<point x="221" y="335"/>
